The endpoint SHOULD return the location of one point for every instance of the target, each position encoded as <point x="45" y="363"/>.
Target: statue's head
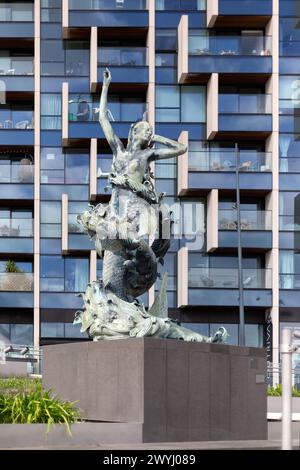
<point x="140" y="134"/>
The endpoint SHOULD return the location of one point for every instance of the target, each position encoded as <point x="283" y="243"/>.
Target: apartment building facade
<point x="222" y="76"/>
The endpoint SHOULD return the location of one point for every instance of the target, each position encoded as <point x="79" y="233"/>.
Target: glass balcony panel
<point x="289" y="281"/>
<point x="117" y="111"/>
<point x="16" y="65"/>
<point x="289" y="165"/>
<point x="107" y="5"/>
<point x="16" y="118"/>
<point x="225" y="160"/>
<point x="16" y="173"/>
<point x="223" y="278"/>
<point x="232" y="103"/>
<point x="16" y="227"/>
<point x="200" y="43"/>
<point x="287" y="223"/>
<point x="289" y="107"/>
<point x="16" y="282"/>
<point x="187" y="5"/>
<point x="250" y="220"/>
<point x="125" y="56"/>
<point x="16" y="11"/>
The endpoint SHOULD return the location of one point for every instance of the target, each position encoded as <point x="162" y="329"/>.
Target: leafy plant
<point x="277" y="391"/>
<point x="33" y="404"/>
<point x="11" y="267"/>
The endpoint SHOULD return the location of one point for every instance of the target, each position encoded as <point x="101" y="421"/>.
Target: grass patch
<point x="25" y="401"/>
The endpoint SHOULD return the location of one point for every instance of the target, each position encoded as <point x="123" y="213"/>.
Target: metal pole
<point x="286" y="363"/>
<point x="239" y="243"/>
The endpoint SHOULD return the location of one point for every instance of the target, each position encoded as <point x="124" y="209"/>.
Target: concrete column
<point x="151" y="95"/>
<point x="65" y="17"/>
<point x="64" y="224"/>
<point x="183" y="165"/>
<point x="212" y="224"/>
<point x="272" y="145"/>
<point x="36" y="228"/>
<point x="212" y="12"/>
<point x="65" y="113"/>
<point x="93" y="265"/>
<point x="93" y="169"/>
<point x="182" y="277"/>
<point x="212" y="106"/>
<point x="93" y="59"/>
<point x="183" y="49"/>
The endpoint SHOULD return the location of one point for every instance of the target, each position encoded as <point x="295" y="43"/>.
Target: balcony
<point x="256" y="227"/>
<point x="127" y="64"/>
<point x="16" y="235"/>
<point x="203" y="169"/>
<point x="229" y="54"/>
<point x="78" y="240"/>
<point x="17" y="20"/>
<point x="83" y="116"/>
<point x="219" y="287"/>
<point x="16" y="282"/>
<point x="16" y="181"/>
<point x="16" y="124"/>
<point x="233" y="13"/>
<point x="106" y="13"/>
<point x="245" y="114"/>
<point x="17" y="73"/>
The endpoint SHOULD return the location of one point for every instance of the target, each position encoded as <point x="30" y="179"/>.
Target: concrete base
<point x="179" y="391"/>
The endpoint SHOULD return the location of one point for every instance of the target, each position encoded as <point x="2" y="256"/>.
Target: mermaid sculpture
<point x="120" y="230"/>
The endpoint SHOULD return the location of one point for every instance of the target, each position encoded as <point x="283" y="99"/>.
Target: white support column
<point x="183" y="49"/>
<point x="212" y="106"/>
<point x="183" y="165"/>
<point x="64" y="223"/>
<point x="93" y="59"/>
<point x="212" y="220"/>
<point x="37" y="117"/>
<point x="93" y="265"/>
<point x="65" y="17"/>
<point x="93" y="169"/>
<point x="182" y="277"/>
<point x="272" y="145"/>
<point x="212" y="12"/>
<point x="65" y="113"/>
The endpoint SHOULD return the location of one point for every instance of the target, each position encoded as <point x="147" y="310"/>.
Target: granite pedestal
<point x="171" y="390"/>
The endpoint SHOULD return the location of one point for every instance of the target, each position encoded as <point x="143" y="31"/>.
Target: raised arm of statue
<point x="174" y="148"/>
<point x="112" y="139"/>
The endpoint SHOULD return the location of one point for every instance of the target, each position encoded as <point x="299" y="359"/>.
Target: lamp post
<point x="239" y="246"/>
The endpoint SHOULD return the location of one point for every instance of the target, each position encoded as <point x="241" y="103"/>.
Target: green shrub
<point x="33" y="404"/>
<point x="277" y="391"/>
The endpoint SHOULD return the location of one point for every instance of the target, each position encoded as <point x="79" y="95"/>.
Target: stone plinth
<point x="177" y="391"/>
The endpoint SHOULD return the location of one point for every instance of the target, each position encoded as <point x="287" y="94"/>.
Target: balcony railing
<point x="233" y="103"/>
<point x="16" y="227"/>
<point x="247" y="45"/>
<point x="86" y="111"/>
<point x="16" y="118"/>
<point x="16" y="173"/>
<point x="16" y="281"/>
<point x="123" y="56"/>
<point x="225" y="160"/>
<point x="223" y="278"/>
<point x="289" y="281"/>
<point x="107" y="5"/>
<point x="185" y="5"/>
<point x="250" y="220"/>
<point x="16" y="65"/>
<point x="287" y="223"/>
<point x="20" y="11"/>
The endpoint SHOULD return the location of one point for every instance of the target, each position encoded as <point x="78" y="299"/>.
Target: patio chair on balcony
<point x="22" y="125"/>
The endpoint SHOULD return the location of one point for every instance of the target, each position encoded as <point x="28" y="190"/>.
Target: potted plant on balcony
<point x="26" y="170"/>
<point x="13" y="281"/>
